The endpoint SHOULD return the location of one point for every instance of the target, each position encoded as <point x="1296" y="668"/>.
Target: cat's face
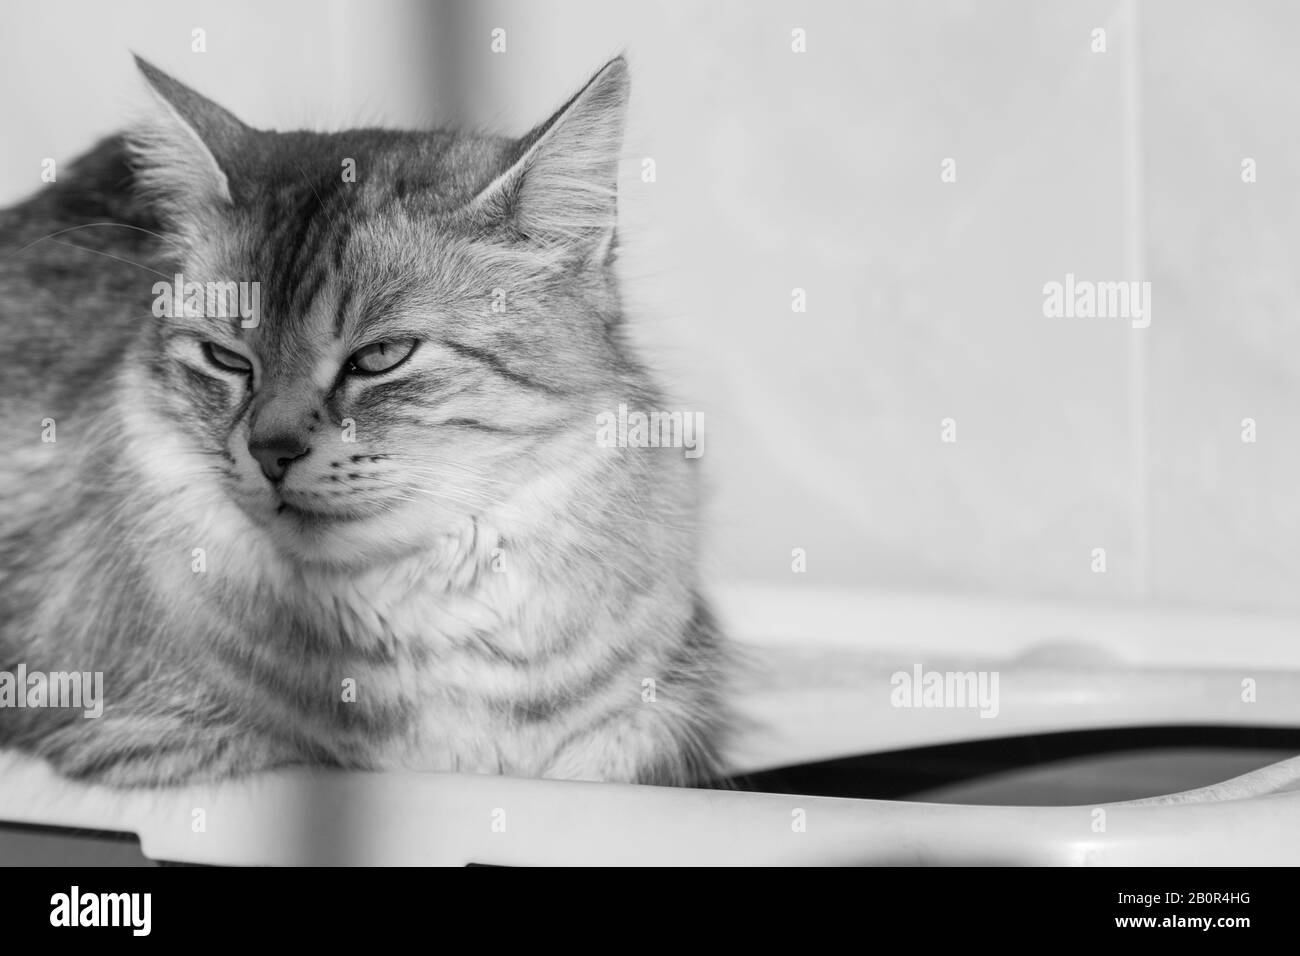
<point x="427" y="335"/>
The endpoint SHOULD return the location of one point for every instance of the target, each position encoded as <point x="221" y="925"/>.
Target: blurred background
<point x="821" y="170"/>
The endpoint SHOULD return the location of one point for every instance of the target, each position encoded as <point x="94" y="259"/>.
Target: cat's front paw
<point x="142" y="753"/>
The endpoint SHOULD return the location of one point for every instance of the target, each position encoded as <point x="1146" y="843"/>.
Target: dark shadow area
<point x="1019" y="770"/>
<point x="26" y="845"/>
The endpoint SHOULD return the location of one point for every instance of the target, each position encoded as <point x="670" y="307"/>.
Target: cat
<point x="369" y="526"/>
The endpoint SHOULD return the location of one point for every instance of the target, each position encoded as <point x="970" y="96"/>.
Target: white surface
<point x="302" y="818"/>
<point x="823" y="661"/>
<point x="1122" y="634"/>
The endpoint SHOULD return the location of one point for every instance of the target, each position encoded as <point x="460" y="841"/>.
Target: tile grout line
<point x="1135" y="264"/>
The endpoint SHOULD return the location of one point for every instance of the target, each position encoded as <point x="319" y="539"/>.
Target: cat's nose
<point x="276" y="453"/>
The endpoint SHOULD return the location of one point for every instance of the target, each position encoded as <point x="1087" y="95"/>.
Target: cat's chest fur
<point x="410" y="660"/>
<point x="446" y="660"/>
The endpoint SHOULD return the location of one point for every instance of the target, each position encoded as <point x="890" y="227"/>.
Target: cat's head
<point x="417" y="324"/>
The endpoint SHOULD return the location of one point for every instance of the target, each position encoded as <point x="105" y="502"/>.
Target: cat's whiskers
<point x="402" y="483"/>
<point x="88" y="225"/>
<point x="109" y="255"/>
<point x="476" y="504"/>
<point x="641" y="515"/>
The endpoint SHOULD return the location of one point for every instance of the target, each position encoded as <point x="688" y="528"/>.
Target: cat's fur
<point x="500" y="589"/>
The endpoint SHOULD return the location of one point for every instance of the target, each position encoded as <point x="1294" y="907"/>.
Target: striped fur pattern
<point x="500" y="594"/>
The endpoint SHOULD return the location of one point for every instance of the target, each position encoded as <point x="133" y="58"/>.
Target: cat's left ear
<point x="561" y="190"/>
<point x="184" y="153"/>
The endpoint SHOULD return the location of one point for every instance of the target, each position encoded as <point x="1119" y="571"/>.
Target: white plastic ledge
<point x="321" y="818"/>
<point x="819" y="686"/>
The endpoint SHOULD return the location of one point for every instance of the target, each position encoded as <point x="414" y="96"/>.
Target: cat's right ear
<point x="183" y="152"/>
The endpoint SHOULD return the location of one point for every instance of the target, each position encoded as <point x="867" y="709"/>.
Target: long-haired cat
<point x="367" y="523"/>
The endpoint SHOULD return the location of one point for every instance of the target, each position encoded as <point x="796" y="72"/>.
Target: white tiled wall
<point x="821" y="171"/>
<point x="1221" y="83"/>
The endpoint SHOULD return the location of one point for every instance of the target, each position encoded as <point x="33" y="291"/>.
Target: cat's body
<point x="432" y="565"/>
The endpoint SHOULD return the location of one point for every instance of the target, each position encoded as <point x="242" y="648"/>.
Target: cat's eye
<point x="224" y="358"/>
<point x="381" y="356"/>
